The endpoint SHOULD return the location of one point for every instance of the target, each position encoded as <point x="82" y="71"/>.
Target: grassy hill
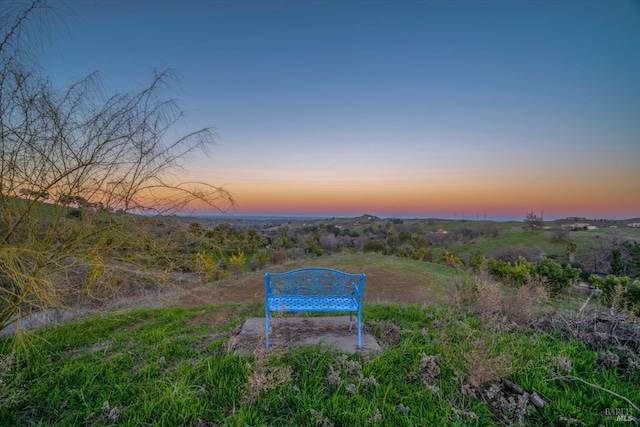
<point x="442" y="364"/>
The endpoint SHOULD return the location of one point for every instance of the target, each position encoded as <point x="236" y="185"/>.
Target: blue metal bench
<point x="314" y="289"/>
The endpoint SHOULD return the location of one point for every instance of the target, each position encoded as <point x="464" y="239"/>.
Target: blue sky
<point x="404" y="108"/>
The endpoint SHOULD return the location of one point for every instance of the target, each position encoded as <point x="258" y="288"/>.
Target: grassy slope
<point x="165" y="367"/>
<point x="174" y="367"/>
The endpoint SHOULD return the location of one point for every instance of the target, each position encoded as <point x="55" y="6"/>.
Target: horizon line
<point x="283" y="215"/>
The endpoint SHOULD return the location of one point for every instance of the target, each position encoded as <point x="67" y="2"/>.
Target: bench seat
<point x="312" y="304"/>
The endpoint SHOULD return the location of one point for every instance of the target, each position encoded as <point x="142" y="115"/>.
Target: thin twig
<point x="571" y="377"/>
<point x="584" y="304"/>
<point x="548" y="335"/>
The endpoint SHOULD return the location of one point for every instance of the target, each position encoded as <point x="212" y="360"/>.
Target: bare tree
<point x="103" y="155"/>
<point x="533" y="221"/>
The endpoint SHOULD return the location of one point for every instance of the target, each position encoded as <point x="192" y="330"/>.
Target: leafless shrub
<point x="489" y="299"/>
<point x="328" y="242"/>
<point x="345" y="241"/>
<point x="518" y="308"/>
<point x="465" y="291"/>
<point x="93" y="155"/>
<point x="484" y="363"/>
<point x="559" y="234"/>
<point x="264" y="375"/>
<point x="618" y="302"/>
<point x="513" y="253"/>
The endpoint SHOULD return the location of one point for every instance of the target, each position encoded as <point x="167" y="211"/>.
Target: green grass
<point x="158" y="367"/>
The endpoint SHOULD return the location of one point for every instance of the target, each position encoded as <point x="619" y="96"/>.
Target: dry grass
<point x="484" y="363"/>
<point x="518" y="308"/>
<point x="264" y="375"/>
<point x="489" y="300"/>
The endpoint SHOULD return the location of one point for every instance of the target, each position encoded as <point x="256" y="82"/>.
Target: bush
<point x="206" y="266"/>
<point x="515" y="275"/>
<point x="237" y="262"/>
<point x="632" y="297"/>
<point x="557" y="277"/>
<point x="262" y="257"/>
<point x="373" y="245"/>
<point x="313" y="248"/>
<point x="403" y="251"/>
<point x="424" y="255"/>
<point x="328" y="242"/>
<point x="559" y="235"/>
<point x="451" y="259"/>
<point x="614" y="288"/>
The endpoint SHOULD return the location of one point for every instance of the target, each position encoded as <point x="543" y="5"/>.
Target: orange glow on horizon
<point x="492" y="201"/>
<point x="559" y="193"/>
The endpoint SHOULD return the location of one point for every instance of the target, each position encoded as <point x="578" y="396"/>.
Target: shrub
<point x="451" y="259"/>
<point x="237" y="262"/>
<point x="517" y="308"/>
<point x="559" y="234"/>
<point x="262" y="257"/>
<point x="207" y="267"/>
<point x="195" y="228"/>
<point x="489" y="299"/>
<point x="373" y="245"/>
<point x="419" y="254"/>
<point x="328" y="242"/>
<point x="516" y="274"/>
<point x="557" y="277"/>
<point x="476" y="262"/>
<point x="615" y="292"/>
<point x="632" y="296"/>
<point x="403" y="251"/>
<point x="485" y="362"/>
<point x="313" y="248"/>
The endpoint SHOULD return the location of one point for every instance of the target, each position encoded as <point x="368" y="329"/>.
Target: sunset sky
<point x="392" y="108"/>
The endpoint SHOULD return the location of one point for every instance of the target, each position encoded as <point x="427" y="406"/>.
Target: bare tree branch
<point x="91" y="154"/>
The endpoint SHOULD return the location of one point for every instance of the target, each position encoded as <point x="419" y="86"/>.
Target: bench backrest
<point x="316" y="282"/>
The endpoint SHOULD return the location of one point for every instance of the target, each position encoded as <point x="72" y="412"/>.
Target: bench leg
<point x="359" y="327"/>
